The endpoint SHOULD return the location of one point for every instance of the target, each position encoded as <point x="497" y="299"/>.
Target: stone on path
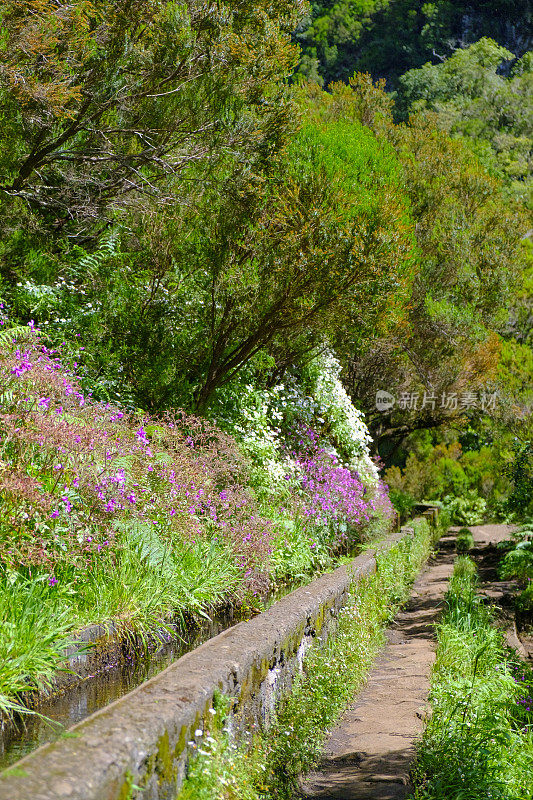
<point x="370" y="752"/>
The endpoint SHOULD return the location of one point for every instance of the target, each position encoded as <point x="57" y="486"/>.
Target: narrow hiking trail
<point x="499" y="593"/>
<point x="369" y="753"/>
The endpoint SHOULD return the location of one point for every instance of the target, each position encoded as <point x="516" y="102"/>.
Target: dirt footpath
<point x="369" y="754"/>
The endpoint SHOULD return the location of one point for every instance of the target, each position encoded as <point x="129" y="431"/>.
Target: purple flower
<point x="23" y="367"/>
<point x="68" y="504"/>
<point x="120" y="477"/>
<point x="141" y="435"/>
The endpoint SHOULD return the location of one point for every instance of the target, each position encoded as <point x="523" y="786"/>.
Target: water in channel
<point x="117" y="677"/>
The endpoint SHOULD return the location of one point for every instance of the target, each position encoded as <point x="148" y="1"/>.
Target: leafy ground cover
<point x="269" y="763"/>
<point x="110" y="514"/>
<point x="478" y="742"/>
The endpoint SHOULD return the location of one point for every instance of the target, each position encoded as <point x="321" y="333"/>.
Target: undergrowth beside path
<point x="269" y="763"/>
<point x="478" y="743"/>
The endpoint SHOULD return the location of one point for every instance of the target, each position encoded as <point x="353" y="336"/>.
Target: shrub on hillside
<point x="468" y="510"/>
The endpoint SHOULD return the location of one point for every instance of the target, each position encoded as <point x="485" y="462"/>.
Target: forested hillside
<point x="389" y="37"/>
<point x="226" y="229"/>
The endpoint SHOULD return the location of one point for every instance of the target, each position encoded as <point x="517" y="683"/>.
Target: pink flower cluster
<point x="332" y="493"/>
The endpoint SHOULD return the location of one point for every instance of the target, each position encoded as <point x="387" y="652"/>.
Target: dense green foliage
<point x="474" y="99"/>
<point x="186" y="223"/>
<point x="468" y="480"/>
<point x="518" y="564"/>
<point x="389" y="37"/>
<point x="471" y="259"/>
<point x="105" y="104"/>
<point x="110" y="515"/>
<point x="464" y="69"/>
<point x="177" y="306"/>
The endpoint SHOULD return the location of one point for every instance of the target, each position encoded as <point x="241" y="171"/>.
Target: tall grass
<point x="137" y="592"/>
<point x="141" y="593"/>
<point x="478" y="743"/>
<point x="35" y="632"/>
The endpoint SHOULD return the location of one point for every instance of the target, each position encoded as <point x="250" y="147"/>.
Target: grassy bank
<point x="269" y="763"/>
<point x="478" y="743"/>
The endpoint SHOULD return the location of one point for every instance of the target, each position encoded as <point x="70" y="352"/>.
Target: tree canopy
<point x="106" y="104"/>
<point x="474" y="98"/>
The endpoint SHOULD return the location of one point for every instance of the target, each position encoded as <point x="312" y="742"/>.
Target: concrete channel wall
<point x="142" y="740"/>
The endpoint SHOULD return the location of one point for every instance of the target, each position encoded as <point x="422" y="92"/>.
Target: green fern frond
<point x="163" y="458"/>
<point x="16" y="332"/>
<point x="75" y="420"/>
<point x="6" y="398"/>
<point x="148" y="544"/>
<point x="43" y="297"/>
<point x="125" y="463"/>
<point x="90" y="263"/>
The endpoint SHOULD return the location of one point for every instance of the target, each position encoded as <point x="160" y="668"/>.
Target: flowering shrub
<point x="311" y="465"/>
<point x="74" y="474"/>
<point x="78" y="476"/>
<point x="112" y="514"/>
<point x="345" y="421"/>
<point x="334" y="494"/>
<point x="107" y="513"/>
